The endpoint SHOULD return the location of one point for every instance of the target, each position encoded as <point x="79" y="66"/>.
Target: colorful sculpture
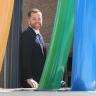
<point x="6" y="8"/>
<point x="84" y="53"/>
<point x="60" y="46"/>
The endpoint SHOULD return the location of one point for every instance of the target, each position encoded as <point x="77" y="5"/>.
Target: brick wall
<point x="48" y="8"/>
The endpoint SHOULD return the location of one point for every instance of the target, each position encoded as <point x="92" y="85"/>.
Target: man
<point x="32" y="51"/>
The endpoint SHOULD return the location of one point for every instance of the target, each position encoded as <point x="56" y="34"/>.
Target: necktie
<point x="41" y="42"/>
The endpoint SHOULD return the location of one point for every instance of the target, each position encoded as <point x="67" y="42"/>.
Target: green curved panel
<point x="59" y="47"/>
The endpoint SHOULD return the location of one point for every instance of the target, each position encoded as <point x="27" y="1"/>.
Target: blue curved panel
<point x="84" y="51"/>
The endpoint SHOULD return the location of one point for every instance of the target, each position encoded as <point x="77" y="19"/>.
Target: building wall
<point x="48" y="8"/>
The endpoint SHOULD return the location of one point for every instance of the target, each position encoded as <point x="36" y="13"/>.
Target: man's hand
<point x="32" y="83"/>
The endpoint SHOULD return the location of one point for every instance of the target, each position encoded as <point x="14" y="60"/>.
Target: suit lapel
<point x="36" y="40"/>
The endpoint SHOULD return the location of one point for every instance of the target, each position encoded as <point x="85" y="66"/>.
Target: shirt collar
<point x="36" y="31"/>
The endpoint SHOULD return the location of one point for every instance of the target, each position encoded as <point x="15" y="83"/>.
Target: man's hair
<point x="34" y="10"/>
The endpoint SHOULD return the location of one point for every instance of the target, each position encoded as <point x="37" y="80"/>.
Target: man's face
<point x="35" y="20"/>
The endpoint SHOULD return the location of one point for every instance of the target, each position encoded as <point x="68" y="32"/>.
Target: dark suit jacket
<point x="31" y="57"/>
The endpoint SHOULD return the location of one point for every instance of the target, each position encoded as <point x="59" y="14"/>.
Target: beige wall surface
<point x="48" y="8"/>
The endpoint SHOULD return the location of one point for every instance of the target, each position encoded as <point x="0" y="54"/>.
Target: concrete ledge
<point x="31" y="92"/>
